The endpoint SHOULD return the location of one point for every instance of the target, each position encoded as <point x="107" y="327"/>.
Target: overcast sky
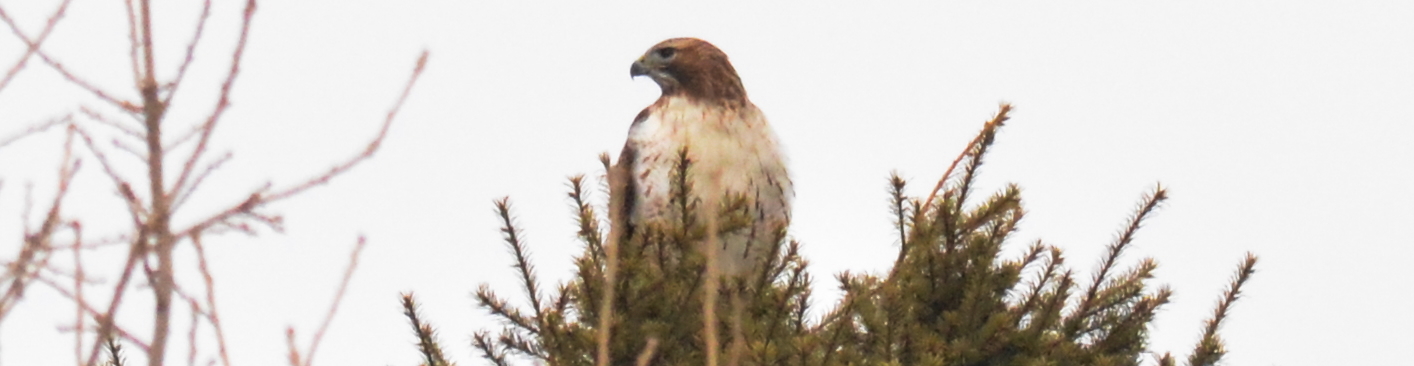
<point x="1283" y="128"/>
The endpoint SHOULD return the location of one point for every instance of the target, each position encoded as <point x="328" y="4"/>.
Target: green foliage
<point x="950" y="299"/>
<point x="658" y="294"/>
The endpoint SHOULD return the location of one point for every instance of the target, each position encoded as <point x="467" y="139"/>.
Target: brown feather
<point x="700" y="71"/>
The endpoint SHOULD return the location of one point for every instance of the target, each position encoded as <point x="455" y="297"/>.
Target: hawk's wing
<point x="623" y="189"/>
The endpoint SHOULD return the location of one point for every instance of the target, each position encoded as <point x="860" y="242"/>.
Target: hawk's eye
<point x="667" y="52"/>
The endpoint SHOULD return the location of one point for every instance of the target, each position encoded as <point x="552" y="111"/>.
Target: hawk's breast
<point x="732" y="151"/>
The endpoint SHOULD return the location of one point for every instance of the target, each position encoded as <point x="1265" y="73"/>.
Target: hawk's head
<point x="693" y="68"/>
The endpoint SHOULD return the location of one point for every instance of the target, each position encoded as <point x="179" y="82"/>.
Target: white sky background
<point x="1282" y="128"/>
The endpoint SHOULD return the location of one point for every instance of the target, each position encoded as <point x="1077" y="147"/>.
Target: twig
<point x="134" y="151"/>
<point x="222" y="102"/>
<point x="191" y="334"/>
<point x="37" y="247"/>
<point x="133" y="44"/>
<point x="78" y="290"/>
<point x="290" y="343"/>
<point x="101" y="119"/>
<point x="338" y="297"/>
<point x="125" y="190"/>
<point x="191" y="49"/>
<point x="33" y="46"/>
<point x="88" y="308"/>
<point x="210" y="167"/>
<point x="372" y="145"/>
<point x="35" y="49"/>
<point x="648" y="350"/>
<point x="996" y="120"/>
<point x="263" y="196"/>
<point x="212" y="315"/>
<point x="35" y="129"/>
<point x="137" y="251"/>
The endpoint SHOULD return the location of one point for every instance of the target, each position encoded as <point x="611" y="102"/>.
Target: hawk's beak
<point x="638" y="69"/>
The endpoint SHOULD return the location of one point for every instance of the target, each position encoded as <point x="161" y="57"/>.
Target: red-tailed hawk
<point x="704" y="110"/>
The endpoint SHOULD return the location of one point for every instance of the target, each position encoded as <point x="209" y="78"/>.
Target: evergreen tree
<point x="950" y="299"/>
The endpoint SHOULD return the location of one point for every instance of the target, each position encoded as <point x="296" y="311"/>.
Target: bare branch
<point x="181" y="198"/>
<point x="372" y="145"/>
<point x="290" y="343"/>
<point x="78" y="290"/>
<point x="35" y="252"/>
<point x="213" y="316"/>
<point x="991" y="125"/>
<point x="35" y="129"/>
<point x="222" y="102"/>
<point x="264" y="196"/>
<point x="33" y="45"/>
<point x="137" y="250"/>
<point x="133" y="44"/>
<point x="104" y="120"/>
<point x="191" y="334"/>
<point x="34" y="48"/>
<point x="191" y="49"/>
<point x="131" y="150"/>
<point x="124" y="188"/>
<point x="338" y="297"/>
<point x="88" y="309"/>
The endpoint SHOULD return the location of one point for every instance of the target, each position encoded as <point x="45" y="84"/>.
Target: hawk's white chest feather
<point x="732" y="150"/>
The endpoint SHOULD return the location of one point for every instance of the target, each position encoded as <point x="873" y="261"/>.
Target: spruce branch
<point x="499" y="307"/>
<point x="426" y="335"/>
<point x="114" y="350"/>
<point x="899" y="208"/>
<point x="489" y="350"/>
<point x="1122" y="241"/>
<point x="511" y="234"/>
<point x="1210" y="348"/>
